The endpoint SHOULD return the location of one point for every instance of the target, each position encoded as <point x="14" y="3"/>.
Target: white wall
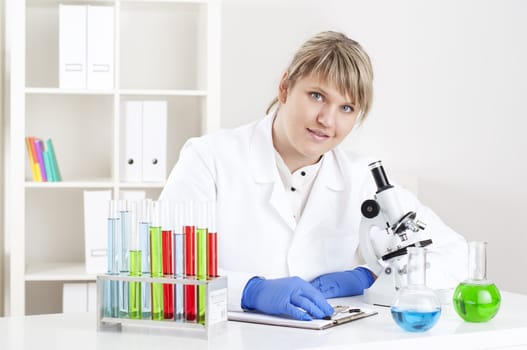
<point x="448" y="107"/>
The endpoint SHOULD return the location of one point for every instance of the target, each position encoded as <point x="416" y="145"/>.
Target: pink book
<point x="39" y="149"/>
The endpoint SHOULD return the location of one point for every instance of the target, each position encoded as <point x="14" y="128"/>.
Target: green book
<point x="48" y="165"/>
<point x="53" y="158"/>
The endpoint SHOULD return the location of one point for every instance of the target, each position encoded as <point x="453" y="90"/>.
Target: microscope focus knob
<point x="370" y="208"/>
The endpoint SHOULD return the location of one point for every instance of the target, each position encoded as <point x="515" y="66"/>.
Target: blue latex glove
<point x="345" y="283"/>
<point x="291" y="296"/>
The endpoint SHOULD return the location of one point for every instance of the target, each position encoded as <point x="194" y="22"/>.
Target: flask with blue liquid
<point x="416" y="308"/>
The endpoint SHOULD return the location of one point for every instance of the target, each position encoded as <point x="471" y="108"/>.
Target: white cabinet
<point x="163" y="50"/>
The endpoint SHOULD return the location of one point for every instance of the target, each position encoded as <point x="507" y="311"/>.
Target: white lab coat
<point x="257" y="233"/>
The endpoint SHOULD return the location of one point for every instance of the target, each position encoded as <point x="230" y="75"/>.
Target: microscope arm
<point x="366" y="246"/>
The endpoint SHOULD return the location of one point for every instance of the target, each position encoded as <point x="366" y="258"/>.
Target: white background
<point x="449" y="104"/>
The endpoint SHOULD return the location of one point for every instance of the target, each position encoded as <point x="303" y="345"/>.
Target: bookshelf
<point x="163" y="50"/>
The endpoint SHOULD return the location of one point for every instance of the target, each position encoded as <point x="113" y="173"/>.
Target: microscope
<point x="385" y="232"/>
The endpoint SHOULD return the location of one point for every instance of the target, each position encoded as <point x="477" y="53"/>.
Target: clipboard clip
<point x="343" y="314"/>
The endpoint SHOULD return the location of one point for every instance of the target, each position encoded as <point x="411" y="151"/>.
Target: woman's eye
<point x="347" y="109"/>
<point x="317" y="96"/>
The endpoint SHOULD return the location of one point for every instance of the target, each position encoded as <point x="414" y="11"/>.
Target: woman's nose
<point x="326" y="115"/>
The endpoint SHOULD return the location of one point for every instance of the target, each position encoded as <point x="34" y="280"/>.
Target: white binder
<point x="100" y="44"/>
<point x="95" y="230"/>
<point x="131" y="160"/>
<point x="154" y="141"/>
<point x="79" y="297"/>
<point x="72" y="46"/>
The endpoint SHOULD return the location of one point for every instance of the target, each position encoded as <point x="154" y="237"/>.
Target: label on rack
<point x="217" y="305"/>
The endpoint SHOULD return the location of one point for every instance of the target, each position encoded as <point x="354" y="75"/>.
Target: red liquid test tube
<point x="190" y="270"/>
<point x="168" y="289"/>
<point x="212" y="252"/>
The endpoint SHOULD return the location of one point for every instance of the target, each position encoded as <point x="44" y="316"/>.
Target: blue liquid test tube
<point x="144" y="236"/>
<point x="111" y="300"/>
<point x="179" y="259"/>
<point x="124" y="215"/>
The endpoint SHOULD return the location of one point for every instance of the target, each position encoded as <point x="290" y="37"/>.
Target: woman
<point x="288" y="198"/>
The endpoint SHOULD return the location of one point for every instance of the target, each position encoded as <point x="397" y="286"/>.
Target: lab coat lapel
<point x="328" y="185"/>
<point x="263" y="167"/>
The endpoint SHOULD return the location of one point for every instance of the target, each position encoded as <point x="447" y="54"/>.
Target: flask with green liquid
<point x="477" y="299"/>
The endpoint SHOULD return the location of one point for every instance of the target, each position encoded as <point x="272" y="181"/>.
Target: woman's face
<point x="313" y="118"/>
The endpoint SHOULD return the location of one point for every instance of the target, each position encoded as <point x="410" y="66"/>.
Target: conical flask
<point x="477" y="299"/>
<point x="416" y="308"/>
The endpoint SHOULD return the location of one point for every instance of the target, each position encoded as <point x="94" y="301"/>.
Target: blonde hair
<point x="338" y="60"/>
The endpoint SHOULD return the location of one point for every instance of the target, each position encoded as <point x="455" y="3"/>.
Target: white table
<point x="78" y="331"/>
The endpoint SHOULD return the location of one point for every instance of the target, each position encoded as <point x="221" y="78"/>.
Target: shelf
<point x="59" y="91"/>
<point x="163" y="50"/>
<point x="142" y="185"/>
<point x="58" y="272"/>
<point x="69" y="184"/>
<point x="152" y="92"/>
<point x="138" y="92"/>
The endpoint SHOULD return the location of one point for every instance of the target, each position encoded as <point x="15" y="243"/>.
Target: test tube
<point x="212" y="247"/>
<point x="201" y="238"/>
<point x="144" y="234"/>
<point x="111" y="301"/>
<point x="134" y="288"/>
<point x="178" y="261"/>
<point x="124" y="215"/>
<point x="168" y="289"/>
<point x="190" y="262"/>
<point x="156" y="261"/>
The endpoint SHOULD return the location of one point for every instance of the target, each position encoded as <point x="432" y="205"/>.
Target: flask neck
<point x="477" y="261"/>
<point x="416" y="267"/>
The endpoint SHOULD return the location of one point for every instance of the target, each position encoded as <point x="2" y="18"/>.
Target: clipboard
<point x="343" y="314"/>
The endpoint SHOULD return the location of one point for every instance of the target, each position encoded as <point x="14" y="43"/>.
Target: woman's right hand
<point x="291" y="296"/>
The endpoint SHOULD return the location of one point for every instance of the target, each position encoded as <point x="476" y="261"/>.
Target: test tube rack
<point x="215" y="314"/>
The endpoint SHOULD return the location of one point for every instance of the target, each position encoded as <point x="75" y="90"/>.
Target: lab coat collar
<point x="264" y="170"/>
<point x="262" y="159"/>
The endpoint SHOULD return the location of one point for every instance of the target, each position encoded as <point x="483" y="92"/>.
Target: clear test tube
<point x="111" y="300"/>
<point x="134" y="288"/>
<point x="201" y="257"/>
<point x="190" y="261"/>
<point x="144" y="219"/>
<point x="212" y="246"/>
<point x="124" y="215"/>
<point x="168" y="289"/>
<point x="179" y="261"/>
<point x="156" y="261"/>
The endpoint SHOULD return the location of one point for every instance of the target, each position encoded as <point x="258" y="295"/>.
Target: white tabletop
<point x="78" y="331"/>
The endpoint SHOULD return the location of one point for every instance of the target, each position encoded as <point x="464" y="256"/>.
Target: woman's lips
<point x="317" y="134"/>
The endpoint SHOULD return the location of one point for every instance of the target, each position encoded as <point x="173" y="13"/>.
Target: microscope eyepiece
<point x="381" y="180"/>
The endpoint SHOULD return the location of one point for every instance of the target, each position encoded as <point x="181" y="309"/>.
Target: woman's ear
<point x="283" y="88"/>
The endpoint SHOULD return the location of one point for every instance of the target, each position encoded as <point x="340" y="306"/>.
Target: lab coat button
<point x="303" y="173"/>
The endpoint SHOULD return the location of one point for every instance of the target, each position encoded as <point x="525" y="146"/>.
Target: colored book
<point x="39" y="149"/>
<point x="48" y="166"/>
<point x="54" y="164"/>
<point x="31" y="156"/>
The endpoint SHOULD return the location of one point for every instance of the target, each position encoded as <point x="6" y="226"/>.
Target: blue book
<point x="54" y="164"/>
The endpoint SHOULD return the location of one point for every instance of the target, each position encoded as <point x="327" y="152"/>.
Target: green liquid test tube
<point x="202" y="237"/>
<point x="156" y="262"/>
<point x="134" y="264"/>
<point x="134" y="305"/>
